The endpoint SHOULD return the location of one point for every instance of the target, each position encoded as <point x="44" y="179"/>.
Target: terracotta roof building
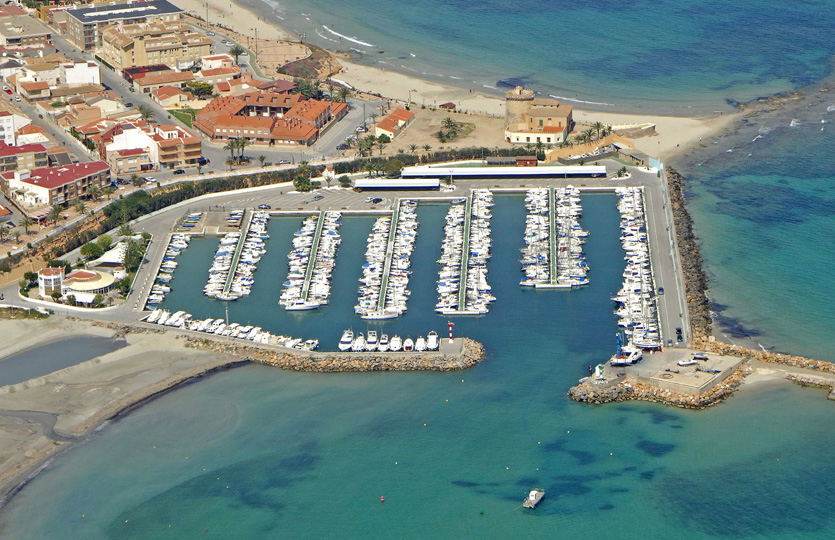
<point x="25" y="156"/>
<point x="56" y="185"/>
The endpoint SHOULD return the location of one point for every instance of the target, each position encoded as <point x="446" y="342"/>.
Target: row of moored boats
<point x="554" y="259"/>
<point x="637" y="310"/>
<point x="299" y="294"/>
<point x="162" y="283"/>
<point x="470" y="249"/>
<point x="370" y="342"/>
<point x="383" y="291"/>
<point x="231" y="275"/>
<point x="181" y="319"/>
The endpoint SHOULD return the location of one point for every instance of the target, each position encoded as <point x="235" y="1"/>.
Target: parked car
<point x="203" y="160"/>
<point x="179" y="171"/>
<point x="8" y="90"/>
<point x="128" y="104"/>
<point x="211" y="33"/>
<point x="343" y="146"/>
<point x="660" y="291"/>
<point x="17" y="98"/>
<point x="361" y="129"/>
<point x="376" y="200"/>
<point x="150" y="179"/>
<point x="264" y="206"/>
<point x="318" y="197"/>
<point x="283" y="162"/>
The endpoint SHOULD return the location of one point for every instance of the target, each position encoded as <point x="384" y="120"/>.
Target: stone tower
<point x="517" y="102"/>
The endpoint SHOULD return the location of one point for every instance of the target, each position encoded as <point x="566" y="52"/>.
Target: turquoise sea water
<point x="260" y="452"/>
<point x="634" y="54"/>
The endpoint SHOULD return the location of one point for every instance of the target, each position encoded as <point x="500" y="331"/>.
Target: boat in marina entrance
<point x="396" y="343"/>
<point x="408" y="345"/>
<point x="346" y="341"/>
<point x="432" y="342"/>
<point x="533" y="498"/>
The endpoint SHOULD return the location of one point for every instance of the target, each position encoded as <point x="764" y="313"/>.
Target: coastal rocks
<point x="813" y="382"/>
<point x="472" y="354"/>
<point x="588" y="392"/>
<point x="709" y="344"/>
<point x="695" y="278"/>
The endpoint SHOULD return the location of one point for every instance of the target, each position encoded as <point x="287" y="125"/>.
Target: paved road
<point x="664" y="258"/>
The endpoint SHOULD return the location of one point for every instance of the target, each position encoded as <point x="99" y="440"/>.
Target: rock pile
<point x="588" y="392"/>
<point x="710" y="344"/>
<point x="472" y="354"/>
<point x="695" y="278"/>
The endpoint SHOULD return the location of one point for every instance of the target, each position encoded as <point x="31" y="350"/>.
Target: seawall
<point x="471" y="354"/>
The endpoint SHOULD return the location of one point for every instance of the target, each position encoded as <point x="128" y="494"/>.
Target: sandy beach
<point x="675" y="134"/>
<point x="44" y="415"/>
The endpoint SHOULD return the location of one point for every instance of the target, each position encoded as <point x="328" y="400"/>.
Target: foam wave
<point x="581" y="101"/>
<point x="794" y="123"/>
<point x="831" y="108"/>
<point x="346" y="38"/>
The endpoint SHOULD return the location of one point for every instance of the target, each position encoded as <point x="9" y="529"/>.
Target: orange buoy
<point x="382" y="499"/>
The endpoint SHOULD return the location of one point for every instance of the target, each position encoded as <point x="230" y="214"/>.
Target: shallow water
<point x="39" y="361"/>
<point x="650" y="55"/>
<point x="260" y="452"/>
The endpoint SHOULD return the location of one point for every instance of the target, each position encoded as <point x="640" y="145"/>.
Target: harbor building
<point x="532" y="120"/>
<point x="50" y="280"/>
<point x="86" y="284"/>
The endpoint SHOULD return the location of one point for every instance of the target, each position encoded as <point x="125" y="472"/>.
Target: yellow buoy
<point x="540" y="442"/>
<point x="424" y="425"/>
<point x="82" y="515"/>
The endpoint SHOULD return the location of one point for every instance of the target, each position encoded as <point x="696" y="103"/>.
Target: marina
<point x="232" y="273"/>
<point x="383" y="293"/>
<point x="637" y="310"/>
<point x="311" y="263"/>
<point x="165" y="274"/>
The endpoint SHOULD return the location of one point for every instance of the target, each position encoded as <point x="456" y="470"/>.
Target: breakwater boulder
<point x="709" y="344"/>
<point x="695" y="278"/>
<point x="588" y="392"/>
<point x="471" y="354"/>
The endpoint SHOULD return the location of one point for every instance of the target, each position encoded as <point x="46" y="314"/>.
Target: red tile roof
<point x="388" y="124"/>
<point x="33" y="85"/>
<point x="402" y="114"/>
<point x="4" y="211"/>
<point x="52" y="177"/>
<point x="131" y="152"/>
<point x="6" y="150"/>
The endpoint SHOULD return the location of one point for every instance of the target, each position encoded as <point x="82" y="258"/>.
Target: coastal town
<point x="138" y="135"/>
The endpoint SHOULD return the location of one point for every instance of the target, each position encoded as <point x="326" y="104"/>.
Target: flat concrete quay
<point x="314" y="251"/>
<point x="237" y="257"/>
<point x="384" y="279"/>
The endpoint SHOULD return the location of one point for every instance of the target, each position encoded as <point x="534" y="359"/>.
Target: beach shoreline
<point x="43" y="417"/>
<point x="675" y="135"/>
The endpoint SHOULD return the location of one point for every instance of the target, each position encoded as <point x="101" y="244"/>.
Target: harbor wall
<point x="471" y="354"/>
<point x="631" y="390"/>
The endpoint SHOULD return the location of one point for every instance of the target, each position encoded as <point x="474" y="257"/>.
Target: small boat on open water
<point x="533" y="498"/>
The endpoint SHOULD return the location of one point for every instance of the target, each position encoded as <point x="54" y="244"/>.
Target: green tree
<point x="441" y="135"/>
<point x="125" y="229"/>
<point x="71" y="300"/>
<point x="25" y="223"/>
<point x="78" y="205"/>
<point x="261" y="159"/>
<point x="344" y="180"/>
<point x="242" y="144"/>
<point x="598" y="127"/>
<point x="308" y="88"/>
<point x="304" y="169"/>
<point x="5" y="269"/>
<point x="55" y="214"/>
<point x="230" y="163"/>
<point x="449" y="123"/>
<point x="236" y="51"/>
<point x="231" y="145"/>
<point x="135" y="180"/>
<point x="98" y="300"/>
<point x="427" y="147"/>
<point x="55" y="295"/>
<point x="343" y="93"/>
<point x="146" y="113"/>
<point x="94" y="192"/>
<point x="302" y="183"/>
<point x="108" y="191"/>
<point x="91" y="251"/>
<point x="369" y="167"/>
<point x="201" y="90"/>
<point x="393" y="167"/>
<point x="382" y="141"/>
<point x="104" y="242"/>
<point x="30" y="276"/>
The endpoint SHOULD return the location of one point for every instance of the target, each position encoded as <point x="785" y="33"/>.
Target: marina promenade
<point x="381" y="303"/>
<point x="314" y="250"/>
<point x="552" y="237"/>
<point x="236" y="258"/>
<point x="465" y="254"/>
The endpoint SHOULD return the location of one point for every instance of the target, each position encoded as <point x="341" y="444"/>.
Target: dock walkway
<point x="237" y="257"/>
<point x="311" y="261"/>
<point x="465" y="254"/>
<point x="384" y="282"/>
<point x="552" y="236"/>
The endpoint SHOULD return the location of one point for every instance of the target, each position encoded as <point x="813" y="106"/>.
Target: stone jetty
<point x="471" y="354"/>
<point x="588" y="392"/>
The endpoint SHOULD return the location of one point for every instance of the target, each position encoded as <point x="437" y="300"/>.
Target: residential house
<point x="170" y="97"/>
<point x="23" y="31"/>
<point x="216" y="61"/>
<point x="10" y="123"/>
<point x="147" y="146"/>
<point x="86" y="25"/>
<point x="153" y="81"/>
<point x="56" y="185"/>
<point x="25" y="156"/>
<point x="392" y="124"/>
<point x="171" y="43"/>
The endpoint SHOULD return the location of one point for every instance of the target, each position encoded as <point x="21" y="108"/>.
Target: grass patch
<point x="185" y="117"/>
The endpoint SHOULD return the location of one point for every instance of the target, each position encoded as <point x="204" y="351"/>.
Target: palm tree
<point x="381" y="143"/>
<point x="16" y="235"/>
<point x="25" y="223"/>
<point x="304" y="169"/>
<point x="94" y="192"/>
<point x="589" y="133"/>
<point x="134" y="179"/>
<point x="231" y="145"/>
<point x="413" y="148"/>
<point x="598" y="126"/>
<point x="108" y="191"/>
<point x="55" y="214"/>
<point x="236" y="51"/>
<point x="449" y="123"/>
<point x="369" y="167"/>
<point x="539" y="147"/>
<point x="373" y="117"/>
<point x="199" y="168"/>
<point x="427" y="147"/>
<point x="242" y="144"/>
<point x="79" y="206"/>
<point x="146" y="113"/>
<point x="343" y="94"/>
<point x="261" y="159"/>
<point x="229" y="163"/>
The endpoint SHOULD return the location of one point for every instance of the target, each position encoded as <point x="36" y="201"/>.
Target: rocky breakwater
<point x="710" y="344"/>
<point x="588" y="392"/>
<point x="471" y="354"/>
<point x="695" y="278"/>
